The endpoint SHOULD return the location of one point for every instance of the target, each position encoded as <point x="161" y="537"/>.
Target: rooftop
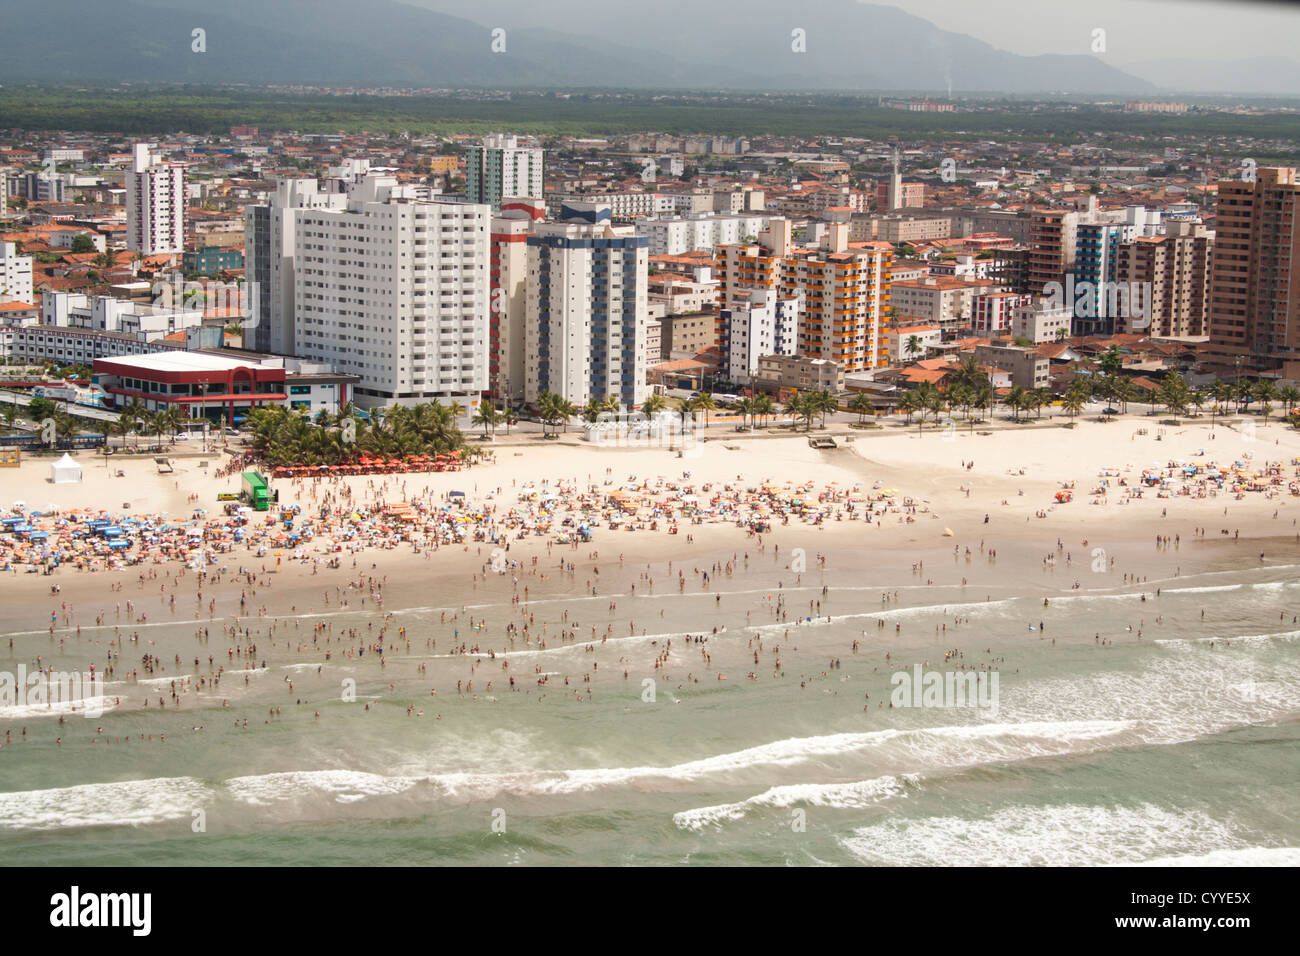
<point x="179" y="362"/>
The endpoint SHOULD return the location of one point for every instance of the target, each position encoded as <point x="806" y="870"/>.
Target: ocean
<point x="1104" y="748"/>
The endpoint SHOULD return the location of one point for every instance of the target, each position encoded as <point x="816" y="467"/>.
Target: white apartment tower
<point x="15" y="274"/>
<point x="587" y="313"/>
<point x="396" y="291"/>
<point x="269" y="233"/>
<point x="767" y="325"/>
<point x="155" y="204"/>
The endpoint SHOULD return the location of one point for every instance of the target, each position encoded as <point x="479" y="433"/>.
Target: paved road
<point x="81" y="411"/>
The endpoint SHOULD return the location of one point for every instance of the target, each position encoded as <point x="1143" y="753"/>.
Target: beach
<point x="698" y="696"/>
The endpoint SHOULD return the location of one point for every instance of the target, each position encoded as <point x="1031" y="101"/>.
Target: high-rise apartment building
<point x="1097" y="252"/>
<point x="269" y="262"/>
<point x="1053" y="235"/>
<point x="846" y="295"/>
<point x="845" y="290"/>
<point x="394" y="290"/>
<point x="508" y="276"/>
<point x="1172" y="274"/>
<point x="587" y="312"/>
<point x="1255" y="272"/>
<point x="155" y="204"/>
<point x="501" y="167"/>
<point x="767" y="325"/>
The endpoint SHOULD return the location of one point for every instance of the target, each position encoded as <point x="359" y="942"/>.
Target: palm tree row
<point x="283" y="437"/>
<point x="810" y="405"/>
<point x="555" y="410"/>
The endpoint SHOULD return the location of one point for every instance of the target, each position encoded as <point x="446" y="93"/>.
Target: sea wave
<point x="126" y="803"/>
<point x="1070" y="835"/>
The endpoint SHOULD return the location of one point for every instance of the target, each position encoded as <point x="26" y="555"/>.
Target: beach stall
<point x="255" y="491"/>
<point x="65" y="471"/>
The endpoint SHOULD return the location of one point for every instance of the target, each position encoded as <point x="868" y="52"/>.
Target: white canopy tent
<point x="65" y="470"/>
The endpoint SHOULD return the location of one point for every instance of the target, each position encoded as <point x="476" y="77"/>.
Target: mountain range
<point x="661" y="44"/>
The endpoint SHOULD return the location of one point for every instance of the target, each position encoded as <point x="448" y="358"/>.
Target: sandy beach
<point x="952" y="482"/>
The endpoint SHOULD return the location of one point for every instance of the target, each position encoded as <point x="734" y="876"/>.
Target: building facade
<point x="1255" y="271"/>
<point x="15" y="274"/>
<point x="500" y="167"/>
<point x="155" y="205"/>
<point x="587" y="313"/>
<point x="1175" y="268"/>
<point x="395" y="291"/>
<point x="768" y="325"/>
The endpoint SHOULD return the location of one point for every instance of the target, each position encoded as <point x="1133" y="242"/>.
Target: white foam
<point x="1070" y="835"/>
<point x="345" y="786"/>
<point x="128" y="803"/>
<point x="1174" y="698"/>
<point x="60" y="708"/>
<point x="838" y="796"/>
<point x="1250" y="856"/>
<point x="889" y="612"/>
<point x="913" y="750"/>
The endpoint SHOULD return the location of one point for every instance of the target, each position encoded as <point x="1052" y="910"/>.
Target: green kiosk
<point x="255" y="491"/>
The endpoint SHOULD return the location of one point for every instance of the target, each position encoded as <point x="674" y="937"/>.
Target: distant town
<point x="210" y="275"/>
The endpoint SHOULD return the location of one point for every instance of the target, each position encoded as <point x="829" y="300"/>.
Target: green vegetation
<point x="284" y="437"/>
<point x="214" y="110"/>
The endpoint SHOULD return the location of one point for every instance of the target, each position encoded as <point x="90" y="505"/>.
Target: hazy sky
<point x="1136" y="30"/>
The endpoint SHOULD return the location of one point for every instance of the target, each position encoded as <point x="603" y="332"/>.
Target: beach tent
<point x="65" y="470"/>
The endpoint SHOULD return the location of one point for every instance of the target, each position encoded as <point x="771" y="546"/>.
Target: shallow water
<point x="1182" y="745"/>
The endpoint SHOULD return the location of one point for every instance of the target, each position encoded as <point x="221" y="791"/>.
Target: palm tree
<point x="509" y="417"/>
<point x="1112" y="360"/>
<point x="1172" y="393"/>
<point x="821" y="402"/>
<point x="861" y="403"/>
<point x="705" y="403"/>
<point x="961" y="396"/>
<point x="1073" y="403"/>
<point x="135" y="409"/>
<point x="969" y="373"/>
<point x="171" y="420"/>
<point x="1222" y="393"/>
<point x="486" y="416"/>
<point x="1244" y="393"/>
<point x="1125" y="391"/>
<point x="913" y="345"/>
<point x="908" y="404"/>
<point x="549" y="409"/>
<point x="116" y="427"/>
<point x="764" y="407"/>
<point x="1265" y="390"/>
<point x="746" y="408"/>
<point x="1040" y="397"/>
<point x="801" y="406"/>
<point x="983" y="399"/>
<point x="65" y="426"/>
<point x="1015" y="401"/>
<point x="1288" y="395"/>
<point x="653" y="405"/>
<point x="591" y="412"/>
